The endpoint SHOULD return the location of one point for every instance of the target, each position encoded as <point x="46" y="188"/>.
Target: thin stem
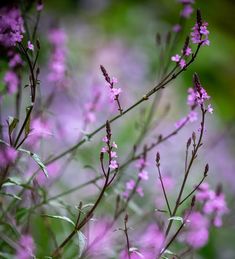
<point x="158" y="87"/>
<point x="163" y="189"/>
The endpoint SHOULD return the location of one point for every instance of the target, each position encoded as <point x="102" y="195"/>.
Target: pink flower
<point x="7" y="155"/>
<point x="192" y="116"/>
<point x="113" y="154"/>
<point x="200" y="34"/>
<point x="143" y="175"/>
<point x="40" y="6"/>
<point x="26" y="247"/>
<point x="187" y="11"/>
<point x="130" y="184"/>
<point x="12" y="81"/>
<point x="180" y="122"/>
<point x="176" y="28"/>
<point x="140" y="191"/>
<point x="11" y="26"/>
<point x="104" y="149"/>
<point x="197" y="233"/>
<point x="188" y="51"/>
<point x="210" y="109"/>
<point x="175" y="58"/>
<point x="105" y="139"/>
<point x="114" y="145"/>
<point x="113" y="164"/>
<point x="15" y="60"/>
<point x="182" y="63"/>
<point x="30" y="46"/>
<point x="114" y="92"/>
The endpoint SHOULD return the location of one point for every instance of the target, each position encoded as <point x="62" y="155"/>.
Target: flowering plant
<point x="50" y="147"/>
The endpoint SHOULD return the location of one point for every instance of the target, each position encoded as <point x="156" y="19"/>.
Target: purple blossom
<point x="113" y="154"/>
<point x="40" y="6"/>
<point x="15" y="60"/>
<point x="26" y="247"/>
<point x="7" y="156"/>
<point x="57" y="63"/>
<point x="12" y="81"/>
<point x="182" y="63"/>
<point x="218" y="207"/>
<point x="200" y="34"/>
<point x="143" y="175"/>
<point x="11" y="27"/>
<point x="193" y="116"/>
<point x="176" y="28"/>
<point x="210" y="109"/>
<point x="30" y="46"/>
<point x="113" y="164"/>
<point x="114" y="92"/>
<point x="197" y="233"/>
<point x="188" y="51"/>
<point x="180" y="122"/>
<point x="187" y="11"/>
<point x="175" y="58"/>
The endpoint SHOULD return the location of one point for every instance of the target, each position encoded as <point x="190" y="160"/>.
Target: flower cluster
<point x="200" y="33"/>
<point x="11" y="26"/>
<point x="57" y="63"/>
<point x="132" y="185"/>
<point x="7" y="155"/>
<point x="26" y="247"/>
<point x="213" y="203"/>
<point x="114" y="92"/>
<point x="187" y="8"/>
<point x="109" y="149"/>
<point x="186" y="52"/>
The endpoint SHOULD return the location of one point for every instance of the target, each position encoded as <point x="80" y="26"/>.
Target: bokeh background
<point x="121" y="35"/>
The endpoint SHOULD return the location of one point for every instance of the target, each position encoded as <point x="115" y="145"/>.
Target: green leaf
<point x="12" y="123"/>
<point x="6" y="255"/>
<point x="12" y="181"/>
<point x="64" y="218"/>
<point x="37" y="159"/>
<point x="81" y="243"/>
<point x="10" y="195"/>
<point x="168" y="252"/>
<point x="177" y="219"/>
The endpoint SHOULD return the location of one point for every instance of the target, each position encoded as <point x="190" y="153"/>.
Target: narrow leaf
<point x="12" y="123"/>
<point x="81" y="243"/>
<point x="64" y="218"/>
<point x="177" y="219"/>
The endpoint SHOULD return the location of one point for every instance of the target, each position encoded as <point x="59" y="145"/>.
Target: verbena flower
<point x="12" y="81"/>
<point x="11" y="26"/>
<point x="26" y="247"/>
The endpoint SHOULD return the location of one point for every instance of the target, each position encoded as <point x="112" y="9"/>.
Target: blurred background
<point x="121" y="35"/>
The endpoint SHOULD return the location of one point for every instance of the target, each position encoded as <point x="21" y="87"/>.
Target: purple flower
<point x="12" y="81"/>
<point x="182" y="63"/>
<point x="210" y="109"/>
<point x="197" y="233"/>
<point x="114" y="92"/>
<point x="30" y="46"/>
<point x="113" y="164"/>
<point x="200" y="34"/>
<point x="176" y="28"/>
<point x="187" y="11"/>
<point x="175" y="58"/>
<point x="7" y="156"/>
<point x="188" y="51"/>
<point x="15" y="60"/>
<point x="143" y="175"/>
<point x="26" y="247"/>
<point x="192" y="116"/>
<point x="11" y="27"/>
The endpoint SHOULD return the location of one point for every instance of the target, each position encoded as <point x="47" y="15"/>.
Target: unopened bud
<point x="193" y="201"/>
<point x="189" y="142"/>
<point x="158" y="158"/>
<point x="194" y="137"/>
<point x="206" y="170"/>
<point x="38" y="44"/>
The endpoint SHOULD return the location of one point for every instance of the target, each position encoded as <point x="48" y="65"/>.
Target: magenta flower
<point x="175" y="58"/>
<point x="187" y="11"/>
<point x="12" y="81"/>
<point x="7" y="156"/>
<point x="143" y="175"/>
<point x="113" y="164"/>
<point x="11" y="26"/>
<point x="26" y="247"/>
<point x="182" y="63"/>
<point x="197" y="233"/>
<point x="210" y="109"/>
<point x="30" y="46"/>
<point x="200" y="34"/>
